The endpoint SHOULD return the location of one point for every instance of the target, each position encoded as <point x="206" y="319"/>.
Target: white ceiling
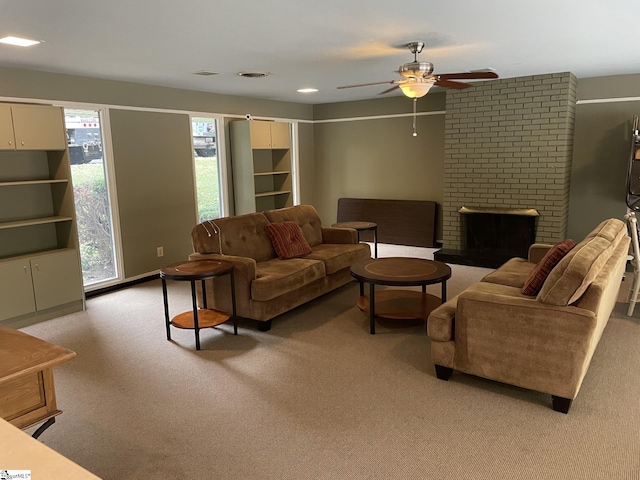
<point x="321" y="44"/>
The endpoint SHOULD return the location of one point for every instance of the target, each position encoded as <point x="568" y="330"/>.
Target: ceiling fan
<point x="418" y="78"/>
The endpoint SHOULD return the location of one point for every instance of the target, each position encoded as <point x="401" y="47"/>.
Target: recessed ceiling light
<point x="307" y="90"/>
<point x="20" y="42"/>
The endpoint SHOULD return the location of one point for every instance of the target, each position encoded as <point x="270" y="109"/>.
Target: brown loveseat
<point x="266" y="285"/>
<point x="544" y="342"/>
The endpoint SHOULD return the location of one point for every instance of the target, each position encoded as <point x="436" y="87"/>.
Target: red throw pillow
<point x="287" y="239"/>
<point x="539" y="274"/>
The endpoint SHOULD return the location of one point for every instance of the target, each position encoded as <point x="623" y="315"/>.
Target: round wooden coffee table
<point x="400" y="272"/>
<point x="197" y="319"/>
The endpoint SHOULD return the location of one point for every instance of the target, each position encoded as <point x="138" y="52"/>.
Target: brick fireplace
<point x="508" y="145"/>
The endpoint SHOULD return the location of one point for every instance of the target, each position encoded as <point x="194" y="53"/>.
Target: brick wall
<point x="508" y="143"/>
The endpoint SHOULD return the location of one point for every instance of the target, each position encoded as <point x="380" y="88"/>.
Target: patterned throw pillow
<point x="287" y="239"/>
<point x="539" y="274"/>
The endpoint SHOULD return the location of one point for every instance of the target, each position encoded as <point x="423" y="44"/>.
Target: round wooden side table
<point x="362" y="227"/>
<point x="198" y="319"/>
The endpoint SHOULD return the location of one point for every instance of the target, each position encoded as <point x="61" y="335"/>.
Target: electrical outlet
<point x="160" y="251"/>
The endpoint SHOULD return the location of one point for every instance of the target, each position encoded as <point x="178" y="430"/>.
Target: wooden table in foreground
<point x="400" y="272"/>
<point x="27" y="393"/>
<point x="18" y="451"/>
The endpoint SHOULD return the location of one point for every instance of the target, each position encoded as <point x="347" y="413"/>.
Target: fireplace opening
<point x="491" y="236"/>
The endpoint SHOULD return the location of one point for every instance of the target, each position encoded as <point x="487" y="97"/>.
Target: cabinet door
<point x="38" y="127"/>
<point x="56" y="279"/>
<point x="7" y="140"/>
<point x="16" y="290"/>
<point x="280" y="135"/>
<point x="260" y="134"/>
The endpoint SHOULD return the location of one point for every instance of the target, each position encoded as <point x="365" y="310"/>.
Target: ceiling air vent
<point x="253" y="74"/>
<point x="205" y="73"/>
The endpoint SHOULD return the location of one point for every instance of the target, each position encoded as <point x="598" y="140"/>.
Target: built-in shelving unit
<point x="40" y="274"/>
<point x="261" y="158"/>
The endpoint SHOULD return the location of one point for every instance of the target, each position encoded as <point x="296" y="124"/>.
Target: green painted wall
<point x="155" y="188"/>
<point x="378" y="158"/>
<point x="601" y="150"/>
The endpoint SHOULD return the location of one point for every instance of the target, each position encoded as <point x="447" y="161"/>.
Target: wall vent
<point x="253" y="74"/>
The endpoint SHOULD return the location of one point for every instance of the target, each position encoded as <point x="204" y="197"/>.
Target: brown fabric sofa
<point x="265" y="285"/>
<point x="542" y="343"/>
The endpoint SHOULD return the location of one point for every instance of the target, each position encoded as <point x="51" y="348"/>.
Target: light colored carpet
<point x="317" y="397"/>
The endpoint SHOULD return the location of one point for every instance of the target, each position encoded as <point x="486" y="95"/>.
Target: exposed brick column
<point x="509" y="143"/>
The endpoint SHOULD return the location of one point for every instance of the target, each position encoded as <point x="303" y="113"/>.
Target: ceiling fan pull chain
<point x="415" y="102"/>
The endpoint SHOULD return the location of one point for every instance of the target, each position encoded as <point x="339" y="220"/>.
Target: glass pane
<point x="206" y="167"/>
<point x="93" y="211"/>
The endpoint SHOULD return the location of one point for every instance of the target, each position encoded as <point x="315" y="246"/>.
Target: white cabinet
<point x="56" y="279"/>
<point x="38" y="235"/>
<point x="7" y="139"/>
<point x="16" y="290"/>
<point x="270" y="135"/>
<point x="34" y="284"/>
<point x="31" y="127"/>
<point x="261" y="158"/>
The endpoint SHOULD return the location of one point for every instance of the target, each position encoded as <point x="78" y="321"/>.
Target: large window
<point x="207" y="168"/>
<point x="91" y="195"/>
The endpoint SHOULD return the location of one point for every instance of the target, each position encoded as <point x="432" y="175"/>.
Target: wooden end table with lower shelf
<point x="400" y="272"/>
<point x="362" y="227"/>
<point x="197" y="319"/>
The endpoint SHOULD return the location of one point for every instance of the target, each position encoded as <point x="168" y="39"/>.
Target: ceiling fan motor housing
<point x="416" y="69"/>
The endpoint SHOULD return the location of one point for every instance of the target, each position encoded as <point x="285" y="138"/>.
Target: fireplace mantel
<point x="525" y="212"/>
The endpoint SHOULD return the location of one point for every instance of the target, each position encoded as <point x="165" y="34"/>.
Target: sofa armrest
<point x="243" y="267"/>
<point x="518" y="340"/>
<point x="537" y="251"/>
<point x="339" y="235"/>
<point x="218" y="289"/>
<point x="440" y="324"/>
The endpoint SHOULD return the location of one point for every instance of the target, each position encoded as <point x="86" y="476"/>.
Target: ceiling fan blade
<point x="468" y="75"/>
<point x="366" y="84"/>
<point x="451" y="84"/>
<point x="388" y="90"/>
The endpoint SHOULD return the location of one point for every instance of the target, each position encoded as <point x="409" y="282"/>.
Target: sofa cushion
<point x="573" y="274"/>
<point x="240" y="235"/>
<point x="337" y="256"/>
<point x="304" y="215"/>
<point x="610" y="229"/>
<point x="513" y="273"/>
<point x="541" y="271"/>
<point x="287" y="240"/>
<point x="277" y="277"/>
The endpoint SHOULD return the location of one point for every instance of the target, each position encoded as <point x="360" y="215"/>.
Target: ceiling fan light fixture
<point x="416" y="89"/>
